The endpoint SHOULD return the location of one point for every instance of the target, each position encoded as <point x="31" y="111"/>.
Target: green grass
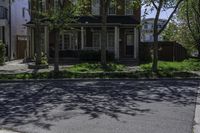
<point x="96" y="68"/>
<point x="86" y="70"/>
<point x="187" y="65"/>
<point x="172" y="69"/>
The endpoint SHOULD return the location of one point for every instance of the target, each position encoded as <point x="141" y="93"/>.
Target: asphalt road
<point x="165" y="106"/>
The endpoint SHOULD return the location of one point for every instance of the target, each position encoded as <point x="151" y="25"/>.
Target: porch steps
<point x="68" y="61"/>
<point x="128" y="61"/>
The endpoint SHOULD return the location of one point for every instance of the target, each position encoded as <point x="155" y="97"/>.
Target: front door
<point x="129" y="45"/>
<point x="21" y="47"/>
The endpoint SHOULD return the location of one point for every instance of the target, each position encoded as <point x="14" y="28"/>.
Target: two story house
<point x="13" y="15"/>
<point x="122" y="36"/>
<point x="147" y="29"/>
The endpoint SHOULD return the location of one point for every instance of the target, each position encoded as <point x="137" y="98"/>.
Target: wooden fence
<point x="168" y="51"/>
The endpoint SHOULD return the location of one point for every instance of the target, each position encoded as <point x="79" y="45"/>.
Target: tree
<point x="160" y="6"/>
<point x="37" y="20"/>
<point x="59" y="19"/>
<point x="192" y="11"/>
<point x="104" y="14"/>
<point x="178" y="31"/>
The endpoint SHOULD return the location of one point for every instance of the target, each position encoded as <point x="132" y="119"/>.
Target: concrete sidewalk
<point x="18" y="66"/>
<point x="7" y="131"/>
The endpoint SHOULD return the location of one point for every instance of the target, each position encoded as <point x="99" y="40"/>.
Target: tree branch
<point x="171" y="15"/>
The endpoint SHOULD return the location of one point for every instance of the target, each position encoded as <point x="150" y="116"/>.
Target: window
<point x="68" y="41"/>
<point x="111" y="40"/>
<point x="74" y="2"/>
<point x="130" y="39"/>
<point x="146" y="26"/>
<point x="42" y="4"/>
<point x="96" y="39"/>
<point x="112" y="8"/>
<point x="128" y="7"/>
<point x="1" y="34"/>
<point x="23" y="12"/>
<point x="96" y="7"/>
<point x="55" y="4"/>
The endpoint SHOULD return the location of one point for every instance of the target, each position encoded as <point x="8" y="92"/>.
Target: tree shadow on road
<point x="40" y="103"/>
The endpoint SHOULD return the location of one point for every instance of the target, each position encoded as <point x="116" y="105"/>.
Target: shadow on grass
<point x="33" y="103"/>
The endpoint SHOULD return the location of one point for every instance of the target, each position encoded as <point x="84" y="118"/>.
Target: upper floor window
<point x="146" y="26"/>
<point x="43" y="5"/>
<point x="95" y="7"/>
<point x="74" y="2"/>
<point x="129" y="7"/>
<point x="112" y="8"/>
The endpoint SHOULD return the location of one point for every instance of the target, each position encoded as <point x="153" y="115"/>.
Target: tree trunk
<point x="155" y="45"/>
<point x="56" y="57"/>
<point x="198" y="48"/>
<point x="38" y="45"/>
<point x="104" y="33"/>
<point x="155" y="54"/>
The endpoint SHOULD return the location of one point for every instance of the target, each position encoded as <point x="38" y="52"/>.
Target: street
<point x="127" y="106"/>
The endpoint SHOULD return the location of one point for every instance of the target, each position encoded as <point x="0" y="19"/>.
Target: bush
<point x="44" y="59"/>
<point x="2" y="53"/>
<point x="92" y="55"/>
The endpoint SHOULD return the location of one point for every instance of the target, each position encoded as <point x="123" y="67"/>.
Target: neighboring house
<point x="123" y="32"/>
<point x="13" y="15"/>
<point x="147" y="29"/>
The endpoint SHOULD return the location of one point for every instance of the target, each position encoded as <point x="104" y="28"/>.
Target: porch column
<point x="116" y="43"/>
<point x="46" y="40"/>
<point x="32" y="52"/>
<point x="82" y="38"/>
<point x="28" y="42"/>
<point x="136" y="42"/>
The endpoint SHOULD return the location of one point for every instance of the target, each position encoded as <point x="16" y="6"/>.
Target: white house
<point x="13" y="33"/>
<point x="147" y="29"/>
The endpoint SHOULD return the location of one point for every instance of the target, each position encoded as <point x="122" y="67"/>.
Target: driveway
<point x="128" y="106"/>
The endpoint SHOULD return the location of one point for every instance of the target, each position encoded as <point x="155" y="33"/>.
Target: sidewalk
<point x="196" y="127"/>
<point x="7" y="131"/>
<point x="17" y="66"/>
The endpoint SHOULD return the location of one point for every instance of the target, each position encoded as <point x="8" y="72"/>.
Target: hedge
<point x="92" y="55"/>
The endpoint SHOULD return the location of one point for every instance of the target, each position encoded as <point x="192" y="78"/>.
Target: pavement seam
<point x="196" y="126"/>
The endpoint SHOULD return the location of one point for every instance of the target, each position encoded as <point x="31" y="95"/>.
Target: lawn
<point x="186" y="65"/>
<point x="97" y="68"/>
<point x="182" y="69"/>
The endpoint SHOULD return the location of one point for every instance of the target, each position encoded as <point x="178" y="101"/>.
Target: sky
<point x="163" y="15"/>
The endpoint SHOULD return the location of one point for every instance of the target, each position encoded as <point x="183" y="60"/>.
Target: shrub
<point x="44" y="59"/>
<point x="96" y="67"/>
<point x="2" y="53"/>
<point x="92" y="55"/>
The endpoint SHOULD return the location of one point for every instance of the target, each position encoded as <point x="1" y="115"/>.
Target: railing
<point x="3" y="13"/>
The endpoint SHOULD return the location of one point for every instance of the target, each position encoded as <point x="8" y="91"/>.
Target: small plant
<point x="2" y="53"/>
<point x="44" y="59"/>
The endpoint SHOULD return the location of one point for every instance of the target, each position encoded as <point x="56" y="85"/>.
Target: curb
<point x="196" y="126"/>
<point x="95" y="79"/>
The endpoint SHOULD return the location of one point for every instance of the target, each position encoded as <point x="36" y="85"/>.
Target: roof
<point x="97" y="19"/>
<point x="110" y="19"/>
